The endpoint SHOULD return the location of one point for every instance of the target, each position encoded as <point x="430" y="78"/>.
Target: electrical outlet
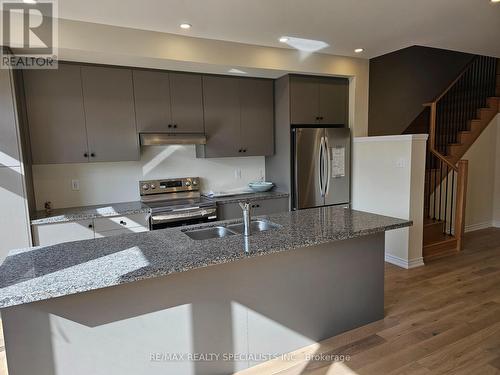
<point x="75" y="185"/>
<point x="237" y="174"/>
<point x="401" y="163"/>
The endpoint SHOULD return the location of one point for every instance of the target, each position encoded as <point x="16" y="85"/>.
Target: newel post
<point x="463" y="166"/>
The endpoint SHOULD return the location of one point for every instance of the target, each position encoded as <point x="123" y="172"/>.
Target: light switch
<point x="75" y="185"/>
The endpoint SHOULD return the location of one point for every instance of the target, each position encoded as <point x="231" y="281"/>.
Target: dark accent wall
<point x="400" y="82"/>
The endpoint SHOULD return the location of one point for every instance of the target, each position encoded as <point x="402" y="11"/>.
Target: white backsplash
<point x="102" y="183"/>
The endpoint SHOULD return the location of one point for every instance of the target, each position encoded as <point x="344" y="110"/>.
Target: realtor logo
<point x="30" y="31"/>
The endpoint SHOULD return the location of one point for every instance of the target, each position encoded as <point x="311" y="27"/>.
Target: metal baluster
<point x="452" y="191"/>
<point x="446" y="201"/>
<point x="440" y="186"/>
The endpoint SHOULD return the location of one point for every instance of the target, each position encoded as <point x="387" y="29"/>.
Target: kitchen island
<point x="163" y="303"/>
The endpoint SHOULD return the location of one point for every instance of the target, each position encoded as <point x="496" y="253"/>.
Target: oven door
<point x="181" y="217"/>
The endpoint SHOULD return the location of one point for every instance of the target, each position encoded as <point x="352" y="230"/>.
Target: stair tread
<point x="444" y="239"/>
<point x="429" y="221"/>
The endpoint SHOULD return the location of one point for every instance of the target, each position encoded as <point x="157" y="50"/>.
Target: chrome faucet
<point x="247" y="213"/>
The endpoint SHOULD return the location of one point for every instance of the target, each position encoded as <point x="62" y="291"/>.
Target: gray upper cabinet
<point x="222" y="117"/>
<point x="333" y="101"/>
<point x="319" y="100"/>
<point x="110" y="116"/>
<point x="257" y="116"/>
<point x="168" y="102"/>
<point x="152" y="101"/>
<point x="187" y="103"/>
<point x="239" y="117"/>
<point x="304" y="100"/>
<point x="56" y="118"/>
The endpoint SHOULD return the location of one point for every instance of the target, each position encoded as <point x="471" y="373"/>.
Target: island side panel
<point x="264" y="305"/>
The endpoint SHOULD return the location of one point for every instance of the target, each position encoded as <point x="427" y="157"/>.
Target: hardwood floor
<point x="443" y="318"/>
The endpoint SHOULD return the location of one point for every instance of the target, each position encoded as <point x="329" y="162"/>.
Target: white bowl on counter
<point x="261" y="186"/>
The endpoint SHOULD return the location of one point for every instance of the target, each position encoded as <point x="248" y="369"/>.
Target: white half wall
<point x="483" y="186"/>
<point x="102" y="183"/>
<point x="388" y="179"/>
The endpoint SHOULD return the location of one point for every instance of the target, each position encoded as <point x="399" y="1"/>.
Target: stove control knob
<point x="145" y="187"/>
<point x="153" y="186"/>
<point x="188" y="183"/>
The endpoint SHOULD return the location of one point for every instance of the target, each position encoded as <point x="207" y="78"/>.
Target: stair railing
<point x="450" y="113"/>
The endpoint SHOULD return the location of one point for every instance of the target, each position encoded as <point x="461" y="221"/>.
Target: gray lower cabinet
<point x="319" y="100"/>
<point x="227" y="211"/>
<point x="56" y="118"/>
<point x="239" y="117"/>
<point x="110" y="116"/>
<point x="168" y="102"/>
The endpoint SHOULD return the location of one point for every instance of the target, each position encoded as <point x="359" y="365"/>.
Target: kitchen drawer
<point x="229" y="211"/>
<point x="105" y="224"/>
<point x="51" y="234"/>
<point x="117" y="232"/>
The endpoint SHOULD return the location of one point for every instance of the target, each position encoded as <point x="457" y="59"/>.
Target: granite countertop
<point x="61" y="215"/>
<point x="250" y="196"/>
<point x="42" y="273"/>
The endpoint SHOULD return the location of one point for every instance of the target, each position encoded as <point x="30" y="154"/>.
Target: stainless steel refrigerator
<point x="321" y="160"/>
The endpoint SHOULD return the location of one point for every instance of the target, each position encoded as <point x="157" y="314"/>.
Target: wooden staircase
<point x="456" y="119"/>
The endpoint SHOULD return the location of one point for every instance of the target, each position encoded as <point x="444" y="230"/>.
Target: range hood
<point x="155" y="139"/>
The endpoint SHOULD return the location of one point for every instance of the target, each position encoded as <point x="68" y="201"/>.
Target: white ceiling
<point x="378" y="26"/>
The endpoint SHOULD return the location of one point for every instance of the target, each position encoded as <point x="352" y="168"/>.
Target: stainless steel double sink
<point x="256" y="226"/>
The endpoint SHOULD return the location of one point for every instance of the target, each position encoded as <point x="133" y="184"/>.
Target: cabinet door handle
<point x="175" y="126"/>
<point x="240" y="150"/>
<point x="169" y="125"/>
<point x="123" y="222"/>
<point x="85" y="155"/>
<point x="92" y="155"/>
<point x="91" y="226"/>
<point x="244" y="150"/>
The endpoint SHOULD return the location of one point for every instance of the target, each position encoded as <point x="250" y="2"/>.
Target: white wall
<point x="388" y="179"/>
<point x="102" y="183"/>
<point x="14" y="227"/>
<point x="483" y="188"/>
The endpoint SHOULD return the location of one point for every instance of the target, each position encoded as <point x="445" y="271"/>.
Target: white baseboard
<point x="479" y="226"/>
<point x="404" y="263"/>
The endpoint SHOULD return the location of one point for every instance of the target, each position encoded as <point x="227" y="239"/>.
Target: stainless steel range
<point x="176" y="202"/>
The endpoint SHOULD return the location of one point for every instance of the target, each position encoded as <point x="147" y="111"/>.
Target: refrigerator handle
<point x="328" y="166"/>
<point x="321" y="166"/>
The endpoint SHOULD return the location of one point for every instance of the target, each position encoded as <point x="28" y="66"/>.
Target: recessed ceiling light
<point x="495" y="1"/>
<point x="29" y="1"/>
<point x="185" y="26"/>
<point x="359" y="50"/>
<point x="283" y="39"/>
